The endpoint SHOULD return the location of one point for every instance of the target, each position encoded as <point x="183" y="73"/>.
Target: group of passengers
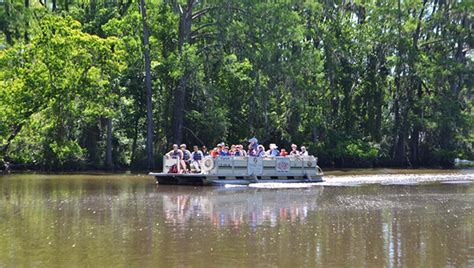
<point x="192" y="160"/>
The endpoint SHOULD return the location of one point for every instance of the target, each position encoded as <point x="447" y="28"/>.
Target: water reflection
<point x="223" y="207"/>
<point x="110" y="221"/>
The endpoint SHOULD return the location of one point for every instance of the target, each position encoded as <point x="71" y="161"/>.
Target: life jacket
<point x="274" y="152"/>
<point x="197" y="156"/>
<point x="175" y="154"/>
<point x="186" y="155"/>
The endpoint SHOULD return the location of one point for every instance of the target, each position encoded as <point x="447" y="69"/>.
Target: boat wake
<point x="385" y="179"/>
<point x="398" y="179"/>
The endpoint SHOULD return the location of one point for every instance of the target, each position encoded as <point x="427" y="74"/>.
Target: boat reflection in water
<point x="234" y="207"/>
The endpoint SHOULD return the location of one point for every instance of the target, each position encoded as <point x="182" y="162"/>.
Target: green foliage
<point x="361" y="83"/>
<point x="64" y="77"/>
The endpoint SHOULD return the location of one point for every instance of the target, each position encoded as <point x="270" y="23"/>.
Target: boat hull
<point x="206" y="180"/>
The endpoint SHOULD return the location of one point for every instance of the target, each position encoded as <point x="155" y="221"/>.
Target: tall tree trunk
<point x="416" y="84"/>
<point x="379" y="95"/>
<point x="6" y="30"/>
<point x="252" y="104"/>
<point x="27" y="23"/>
<point x="108" y="152"/>
<point x="149" y="110"/>
<point x="184" y="37"/>
<point x="399" y="150"/>
<point x="415" y="135"/>
<point x="134" y="143"/>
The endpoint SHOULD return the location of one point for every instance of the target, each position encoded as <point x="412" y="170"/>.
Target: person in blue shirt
<point x="196" y="158"/>
<point x="273" y="150"/>
<point x="234" y="150"/>
<point x="225" y="151"/>
<point x="186" y="156"/>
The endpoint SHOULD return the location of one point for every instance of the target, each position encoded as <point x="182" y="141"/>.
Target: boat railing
<point x="236" y="162"/>
<point x="241" y="162"/>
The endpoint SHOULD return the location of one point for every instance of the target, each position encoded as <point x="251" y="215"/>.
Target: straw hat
<point x="273" y="146"/>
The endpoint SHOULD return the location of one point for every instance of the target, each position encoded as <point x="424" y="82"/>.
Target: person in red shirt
<point x="283" y="152"/>
<point x="214" y="153"/>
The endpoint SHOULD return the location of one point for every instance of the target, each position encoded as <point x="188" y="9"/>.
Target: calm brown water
<point x="404" y="220"/>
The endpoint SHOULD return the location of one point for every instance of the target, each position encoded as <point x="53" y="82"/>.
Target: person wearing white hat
<point x="261" y="151"/>
<point x="273" y="150"/>
<point x="294" y="150"/>
<point x="303" y="151"/>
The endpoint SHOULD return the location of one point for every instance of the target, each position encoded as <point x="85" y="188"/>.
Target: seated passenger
<point x="196" y="157"/>
<point x="294" y="150"/>
<point x="186" y="156"/>
<point x="234" y="151"/>
<point x="283" y="152"/>
<point x="219" y="149"/>
<point x="303" y="151"/>
<point x="273" y="150"/>
<point x="176" y="153"/>
<point x="204" y="151"/>
<point x="260" y="151"/>
<point x="215" y="152"/>
<point x="225" y="151"/>
<point x="241" y="150"/>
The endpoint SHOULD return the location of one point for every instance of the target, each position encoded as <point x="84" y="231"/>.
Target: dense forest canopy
<point x="111" y="84"/>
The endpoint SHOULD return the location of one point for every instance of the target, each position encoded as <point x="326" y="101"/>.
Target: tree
<point x="62" y="75"/>
<point x="149" y="108"/>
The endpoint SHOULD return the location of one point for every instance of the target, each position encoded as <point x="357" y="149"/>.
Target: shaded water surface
<point x="92" y="220"/>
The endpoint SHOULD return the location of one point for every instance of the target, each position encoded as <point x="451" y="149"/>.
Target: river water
<point x="366" y="219"/>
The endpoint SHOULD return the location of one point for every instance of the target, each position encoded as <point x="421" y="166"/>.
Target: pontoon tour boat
<point x="243" y="170"/>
